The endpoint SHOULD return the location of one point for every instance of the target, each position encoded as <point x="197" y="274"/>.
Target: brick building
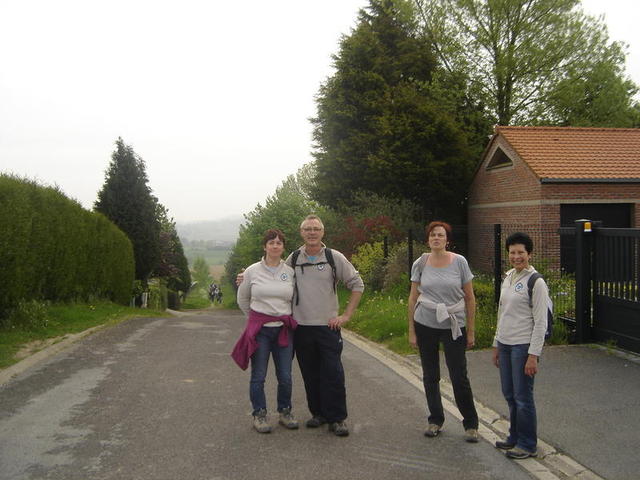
<point x="537" y="179"/>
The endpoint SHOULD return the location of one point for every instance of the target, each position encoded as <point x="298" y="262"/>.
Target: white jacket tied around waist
<point x="444" y="312"/>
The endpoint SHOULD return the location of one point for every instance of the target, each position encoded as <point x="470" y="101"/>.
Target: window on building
<point x="499" y="159"/>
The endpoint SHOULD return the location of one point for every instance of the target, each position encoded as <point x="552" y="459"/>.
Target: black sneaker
<point x="504" y="445"/>
<point x="339" y="428"/>
<point x="315" y="422"/>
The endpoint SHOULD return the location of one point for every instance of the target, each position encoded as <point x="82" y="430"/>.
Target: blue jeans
<point x="517" y="389"/>
<point x="267" y="339"/>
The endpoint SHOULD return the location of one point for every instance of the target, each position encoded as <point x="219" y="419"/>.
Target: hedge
<point x="53" y="249"/>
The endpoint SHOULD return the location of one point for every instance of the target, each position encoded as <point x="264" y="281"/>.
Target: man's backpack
<point x="532" y="280"/>
<point x="330" y="261"/>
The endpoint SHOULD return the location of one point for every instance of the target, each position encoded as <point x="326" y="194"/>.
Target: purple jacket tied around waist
<point x="247" y="345"/>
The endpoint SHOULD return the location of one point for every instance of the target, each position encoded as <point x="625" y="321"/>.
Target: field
<point x="211" y="255"/>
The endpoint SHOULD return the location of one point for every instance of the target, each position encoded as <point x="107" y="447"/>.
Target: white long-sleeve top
<point x="518" y="323"/>
<point x="266" y="291"/>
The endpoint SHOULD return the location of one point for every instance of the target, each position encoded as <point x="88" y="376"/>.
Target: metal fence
<point x="593" y="273"/>
<point x="553" y="256"/>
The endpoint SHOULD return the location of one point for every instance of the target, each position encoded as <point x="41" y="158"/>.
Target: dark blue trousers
<point x="318" y="350"/>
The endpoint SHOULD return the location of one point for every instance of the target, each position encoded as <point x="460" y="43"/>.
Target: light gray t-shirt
<point x="440" y="285"/>
<point x="518" y="322"/>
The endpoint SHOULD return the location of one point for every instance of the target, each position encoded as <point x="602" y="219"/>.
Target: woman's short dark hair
<point x="520" y="237"/>
<point x="438" y="223"/>
<point x="271" y="234"/>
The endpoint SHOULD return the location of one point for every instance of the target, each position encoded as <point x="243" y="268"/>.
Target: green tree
<point x="126" y="200"/>
<point x="597" y="97"/>
<point x="518" y="53"/>
<point x="201" y="272"/>
<point x="284" y="210"/>
<point x="173" y="265"/>
<point x="380" y="126"/>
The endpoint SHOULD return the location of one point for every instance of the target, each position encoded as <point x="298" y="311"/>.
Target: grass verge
<point x="382" y="317"/>
<point x="63" y="319"/>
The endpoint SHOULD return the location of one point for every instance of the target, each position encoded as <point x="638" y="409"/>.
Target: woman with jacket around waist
<point x="518" y="344"/>
<point x="442" y="310"/>
<point x="265" y="297"/>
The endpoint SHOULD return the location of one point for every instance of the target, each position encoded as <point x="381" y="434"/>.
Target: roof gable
<point x="566" y="153"/>
<point x="499" y="159"/>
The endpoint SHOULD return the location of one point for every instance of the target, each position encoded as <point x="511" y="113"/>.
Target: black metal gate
<point x="615" y="287"/>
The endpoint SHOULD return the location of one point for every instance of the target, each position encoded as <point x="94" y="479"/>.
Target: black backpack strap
<point x="530" y="283"/>
<point x="294" y="260"/>
<point x="329" y="255"/>
<point x="294" y="263"/>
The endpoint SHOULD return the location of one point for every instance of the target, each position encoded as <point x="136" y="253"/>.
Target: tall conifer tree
<point x="382" y="127"/>
<point x="127" y="201"/>
<point x="173" y="265"/>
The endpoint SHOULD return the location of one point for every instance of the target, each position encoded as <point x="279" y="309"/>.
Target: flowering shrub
<point x="370" y="262"/>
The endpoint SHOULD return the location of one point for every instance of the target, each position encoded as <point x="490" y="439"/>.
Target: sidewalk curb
<point x="549" y="465"/>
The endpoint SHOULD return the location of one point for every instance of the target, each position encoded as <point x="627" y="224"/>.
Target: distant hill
<point x="224" y="230"/>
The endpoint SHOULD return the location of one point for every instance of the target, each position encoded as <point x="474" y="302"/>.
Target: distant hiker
<point x="215" y="293"/>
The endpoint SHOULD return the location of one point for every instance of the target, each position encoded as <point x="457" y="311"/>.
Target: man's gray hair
<point x="312" y="217"/>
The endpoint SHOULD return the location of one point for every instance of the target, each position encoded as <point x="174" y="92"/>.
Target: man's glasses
<point x="312" y="229"/>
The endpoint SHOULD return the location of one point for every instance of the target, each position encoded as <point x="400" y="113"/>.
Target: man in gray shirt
<point x="318" y="342"/>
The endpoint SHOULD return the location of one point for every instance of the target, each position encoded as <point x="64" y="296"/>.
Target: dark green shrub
<point x="51" y="249"/>
<point x="27" y="315"/>
<point x="398" y="264"/>
<point x="173" y="300"/>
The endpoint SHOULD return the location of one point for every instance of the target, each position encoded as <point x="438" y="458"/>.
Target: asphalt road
<point x="161" y="399"/>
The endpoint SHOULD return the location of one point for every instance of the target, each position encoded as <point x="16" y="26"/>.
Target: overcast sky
<point x="214" y="95"/>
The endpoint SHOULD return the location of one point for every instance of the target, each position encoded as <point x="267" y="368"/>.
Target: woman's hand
<point x="412" y="339"/>
<point x="531" y="367"/>
<point x="471" y="339"/>
<point x="495" y="360"/>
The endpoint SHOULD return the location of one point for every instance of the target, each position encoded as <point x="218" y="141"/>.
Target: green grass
<point x="63" y="319"/>
<point x="382" y="317"/>
<point x="197" y="299"/>
<point x="212" y="255"/>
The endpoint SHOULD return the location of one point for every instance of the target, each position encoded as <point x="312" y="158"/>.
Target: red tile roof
<point x="577" y="153"/>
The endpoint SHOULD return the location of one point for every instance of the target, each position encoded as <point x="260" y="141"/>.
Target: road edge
<point x="550" y="463"/>
<point x="65" y="342"/>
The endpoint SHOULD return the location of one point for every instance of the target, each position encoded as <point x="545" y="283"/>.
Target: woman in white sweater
<point x="518" y="345"/>
<point x="265" y="297"/>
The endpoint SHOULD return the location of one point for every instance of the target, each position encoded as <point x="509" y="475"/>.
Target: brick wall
<point x="513" y="195"/>
<point x="510" y="183"/>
